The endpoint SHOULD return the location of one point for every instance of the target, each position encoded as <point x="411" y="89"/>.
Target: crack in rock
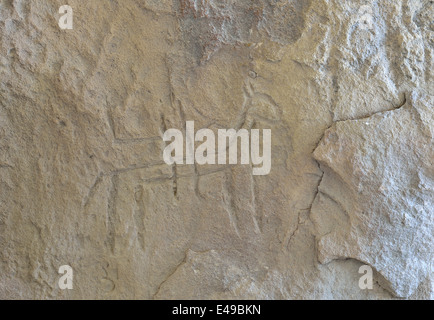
<point x="379" y="169"/>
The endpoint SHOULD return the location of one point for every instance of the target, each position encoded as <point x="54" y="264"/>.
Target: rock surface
<point x="345" y="86"/>
<point x="375" y="201"/>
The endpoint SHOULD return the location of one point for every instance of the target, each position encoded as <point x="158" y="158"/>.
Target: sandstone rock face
<point x="378" y="191"/>
<point x="346" y="88"/>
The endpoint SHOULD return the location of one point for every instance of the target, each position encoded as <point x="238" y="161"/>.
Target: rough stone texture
<point x="375" y="200"/>
<point x="83" y="181"/>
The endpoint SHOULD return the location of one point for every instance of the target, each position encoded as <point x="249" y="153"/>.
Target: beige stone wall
<point x="346" y="88"/>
